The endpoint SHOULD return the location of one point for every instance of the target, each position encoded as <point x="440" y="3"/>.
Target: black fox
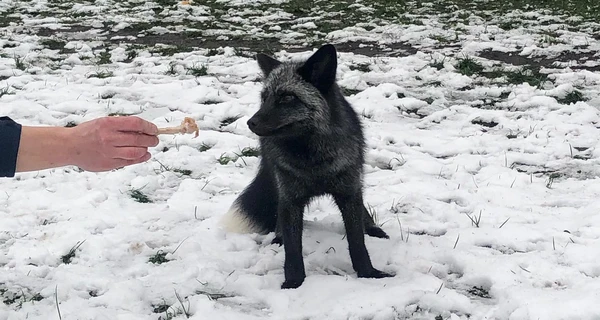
<point x="311" y="144"/>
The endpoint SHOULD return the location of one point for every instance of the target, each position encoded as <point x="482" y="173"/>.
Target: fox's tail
<point x="255" y="209"/>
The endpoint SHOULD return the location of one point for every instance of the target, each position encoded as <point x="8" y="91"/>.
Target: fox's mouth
<point x="265" y="131"/>
<point x="272" y="132"/>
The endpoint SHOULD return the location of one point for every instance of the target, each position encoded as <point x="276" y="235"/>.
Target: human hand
<point x="111" y="142"/>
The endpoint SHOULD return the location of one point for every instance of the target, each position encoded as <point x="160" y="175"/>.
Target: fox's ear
<point x="266" y="63"/>
<point x="320" y="68"/>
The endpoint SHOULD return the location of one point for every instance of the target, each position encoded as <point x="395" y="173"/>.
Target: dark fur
<point x="312" y="144"/>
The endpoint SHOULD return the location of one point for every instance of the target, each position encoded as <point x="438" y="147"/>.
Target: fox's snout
<point x="258" y="126"/>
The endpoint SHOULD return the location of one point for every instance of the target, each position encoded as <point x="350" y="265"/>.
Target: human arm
<point x="98" y="145"/>
<point x="10" y="133"/>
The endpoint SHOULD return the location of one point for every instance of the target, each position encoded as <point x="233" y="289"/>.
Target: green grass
<point x="6" y="91"/>
<point x="183" y="172"/>
<point x="572" y="97"/>
<point x="159" y="258"/>
<point x="205" y="147"/>
<point x="139" y="196"/>
<point x="438" y="64"/>
<point x="469" y="66"/>
<point x="120" y="114"/>
<point x="171" y="71"/>
<point x="101" y="74"/>
<point x="250" y="152"/>
<point x="68" y="257"/>
<point x="225" y="159"/>
<point x="170" y="50"/>
<point x="229" y="120"/>
<point x="19" y="63"/>
<point x="350" y="92"/>
<point x="18" y="298"/>
<point x="53" y="44"/>
<point x="104" y="57"/>
<point x="362" y="67"/>
<point x="197" y="71"/>
<point x="526" y="74"/>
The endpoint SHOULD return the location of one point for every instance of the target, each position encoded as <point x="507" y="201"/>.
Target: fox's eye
<point x="287" y="98"/>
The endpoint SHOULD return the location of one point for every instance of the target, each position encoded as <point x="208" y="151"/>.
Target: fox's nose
<point x="251" y="123"/>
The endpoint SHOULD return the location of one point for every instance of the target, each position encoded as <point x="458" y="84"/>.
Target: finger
<point x="131" y="139"/>
<point x="129" y="153"/>
<point x="123" y="163"/>
<point x="136" y="124"/>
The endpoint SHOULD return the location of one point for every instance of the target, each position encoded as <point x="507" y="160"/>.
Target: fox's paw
<point x="376" y="232"/>
<point x="292" y="284"/>
<point x="375" y="274"/>
<point x="277" y="240"/>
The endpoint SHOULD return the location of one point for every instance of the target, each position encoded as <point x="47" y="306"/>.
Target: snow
<point x="432" y="168"/>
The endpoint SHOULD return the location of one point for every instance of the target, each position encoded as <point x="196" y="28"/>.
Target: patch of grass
<point x="205" y="147"/>
<point x="132" y="52"/>
<point x="170" y="50"/>
<point x="438" y="64"/>
<point x="53" y="44"/>
<point x="160" y="308"/>
<point x="101" y="74"/>
<point x="159" y="258"/>
<point x="468" y="66"/>
<point x="508" y="25"/>
<point x="171" y="313"/>
<point x="171" y="71"/>
<point x="481" y="122"/>
<point x="229" y="120"/>
<point x="10" y="297"/>
<point x="66" y="259"/>
<point x="480" y="292"/>
<point x="572" y="97"/>
<point x="108" y="95"/>
<point x="104" y="57"/>
<point x="197" y="71"/>
<point x="224" y="159"/>
<point x="243" y="53"/>
<point x="139" y="196"/>
<point x="250" y="152"/>
<point x="119" y="114"/>
<point x="212" y="52"/>
<point x="350" y="92"/>
<point x="5" y="91"/>
<point x="184" y="172"/>
<point x="553" y="176"/>
<point x="529" y="75"/>
<point x="9" y="16"/>
<point x="299" y="8"/>
<point x="214" y="295"/>
<point x="362" y="67"/>
<point x="211" y="101"/>
<point x="19" y="63"/>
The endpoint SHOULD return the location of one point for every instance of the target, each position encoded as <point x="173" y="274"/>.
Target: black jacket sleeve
<point x="10" y="138"/>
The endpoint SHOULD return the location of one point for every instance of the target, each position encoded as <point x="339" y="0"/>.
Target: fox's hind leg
<point x="370" y="227"/>
<point x="352" y="209"/>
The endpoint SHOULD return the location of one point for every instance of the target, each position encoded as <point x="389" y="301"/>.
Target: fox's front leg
<point x="278" y="233"/>
<point x="290" y="220"/>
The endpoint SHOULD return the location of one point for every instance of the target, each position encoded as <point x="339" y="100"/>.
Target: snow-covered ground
<point x="488" y="189"/>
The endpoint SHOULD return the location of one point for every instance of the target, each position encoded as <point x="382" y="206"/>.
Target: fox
<point x="311" y="144"/>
